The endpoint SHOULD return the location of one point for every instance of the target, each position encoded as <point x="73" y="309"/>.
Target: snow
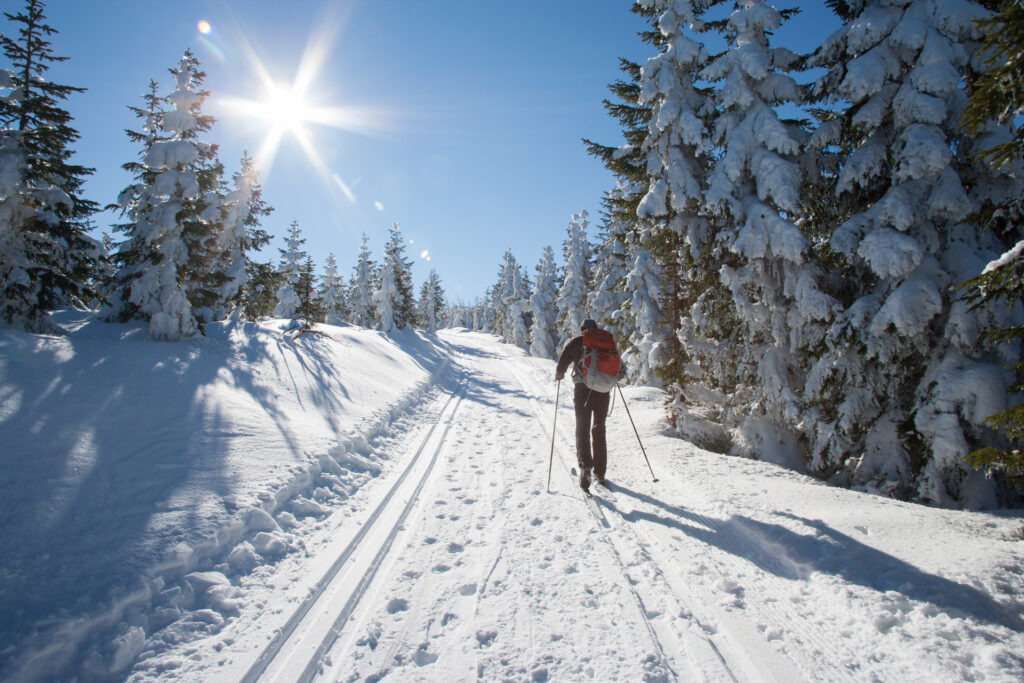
<point x="171" y="510"/>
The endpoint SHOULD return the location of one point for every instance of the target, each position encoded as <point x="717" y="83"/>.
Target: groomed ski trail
<point x="496" y="571"/>
<point x="459" y="564"/>
<point x="502" y="555"/>
<point x="299" y="646"/>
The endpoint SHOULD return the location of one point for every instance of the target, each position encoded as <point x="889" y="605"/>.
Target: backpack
<point x="600" y="363"/>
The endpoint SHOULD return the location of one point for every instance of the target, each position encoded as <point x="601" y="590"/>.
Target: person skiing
<point x="596" y="367"/>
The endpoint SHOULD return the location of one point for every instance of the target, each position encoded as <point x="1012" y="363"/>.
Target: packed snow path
<point x="463" y="567"/>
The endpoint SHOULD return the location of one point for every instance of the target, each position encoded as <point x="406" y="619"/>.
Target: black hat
<point x="588" y="324"/>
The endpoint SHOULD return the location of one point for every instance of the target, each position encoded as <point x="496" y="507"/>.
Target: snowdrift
<point x="128" y="463"/>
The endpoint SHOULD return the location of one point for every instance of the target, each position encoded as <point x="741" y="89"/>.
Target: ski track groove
<point x="300" y="616"/>
<point x="697" y="605"/>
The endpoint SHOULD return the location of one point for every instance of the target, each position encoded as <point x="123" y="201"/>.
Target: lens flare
<point x="204" y="26"/>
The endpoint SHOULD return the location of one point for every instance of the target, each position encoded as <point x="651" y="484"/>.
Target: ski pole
<point x="626" y="406"/>
<point x="554" y="423"/>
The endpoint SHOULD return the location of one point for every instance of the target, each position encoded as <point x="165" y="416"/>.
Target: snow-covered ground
<point x="352" y="506"/>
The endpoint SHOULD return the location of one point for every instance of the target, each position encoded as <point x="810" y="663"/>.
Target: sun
<point x="284" y="109"/>
<point x="294" y="108"/>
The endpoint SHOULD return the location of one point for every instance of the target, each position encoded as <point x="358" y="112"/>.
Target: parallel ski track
<point x="356" y="547"/>
<point x="732" y="542"/>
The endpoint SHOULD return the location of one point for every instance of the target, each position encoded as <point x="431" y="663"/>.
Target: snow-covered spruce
<point x="394" y="299"/>
<point x="361" y="287"/>
<point x="47" y="258"/>
<point x="571" y="304"/>
<point x="240" y="234"/>
<point x="293" y="258"/>
<point x="510" y="300"/>
<point x="169" y="271"/>
<point x="906" y="360"/>
<point x="542" y="306"/>
<point x="609" y="273"/>
<point x="332" y="293"/>
<point x="431" y="303"/>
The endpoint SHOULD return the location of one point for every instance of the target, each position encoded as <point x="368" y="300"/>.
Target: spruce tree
<point x="645" y="339"/>
<point x="542" y="305"/>
<point x="510" y="302"/>
<point x="394" y="300"/>
<point x="293" y="260"/>
<point x="771" y="273"/>
<point x="169" y="274"/>
<point x="893" y="388"/>
<point x="572" y="295"/>
<point x="667" y="116"/>
<point x="332" y="293"/>
<point x="46" y="255"/>
<point x="135" y="254"/>
<point x="362" y="288"/>
<point x="198" y="184"/>
<point x="431" y="307"/>
<point x="310" y="307"/>
<point x="996" y="98"/>
<point x="609" y="272"/>
<point x="259" y="293"/>
<point x="241" y="234"/>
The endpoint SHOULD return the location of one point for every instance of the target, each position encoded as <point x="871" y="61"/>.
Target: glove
<point x="559" y="375"/>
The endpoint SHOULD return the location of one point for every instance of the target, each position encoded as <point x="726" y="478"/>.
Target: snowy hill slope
<point x="245" y="507"/>
<point x="127" y="463"/>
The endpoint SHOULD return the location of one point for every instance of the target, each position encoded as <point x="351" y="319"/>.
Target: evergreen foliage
<point x="394" y="300"/>
<point x="259" y="293"/>
<point x="904" y="358"/>
<point x="797" y="279"/>
<point x="608" y="292"/>
<point x="571" y="304"/>
<point x="310" y="307"/>
<point x="510" y="301"/>
<point x="362" y="287"/>
<point x="542" y="306"/>
<point x="332" y="292"/>
<point x="46" y="255"/>
<point x="431" y="306"/>
<point x="169" y="272"/>
<point x="998" y="97"/>
<point x="241" y="233"/>
<point x="293" y="260"/>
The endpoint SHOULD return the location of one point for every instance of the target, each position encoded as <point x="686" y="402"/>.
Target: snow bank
<point x="131" y="465"/>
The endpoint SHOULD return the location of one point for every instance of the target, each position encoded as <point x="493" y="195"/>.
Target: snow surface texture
<point x="193" y="511"/>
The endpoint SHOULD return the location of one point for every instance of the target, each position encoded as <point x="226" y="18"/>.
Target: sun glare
<point x="286" y="109"/>
<point x="283" y="108"/>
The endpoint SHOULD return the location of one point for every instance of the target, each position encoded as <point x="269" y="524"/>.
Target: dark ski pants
<point x="591" y="406"/>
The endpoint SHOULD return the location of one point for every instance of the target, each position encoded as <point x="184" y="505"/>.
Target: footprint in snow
<point x="397" y="605"/>
<point x="455" y="548"/>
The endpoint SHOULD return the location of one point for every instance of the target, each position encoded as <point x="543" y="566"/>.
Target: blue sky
<point x="472" y="113"/>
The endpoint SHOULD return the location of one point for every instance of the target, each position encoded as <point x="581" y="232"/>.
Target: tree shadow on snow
<point x="790" y="555"/>
<point x="78" y="500"/>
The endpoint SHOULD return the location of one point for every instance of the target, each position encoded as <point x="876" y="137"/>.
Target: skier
<point x="590" y="402"/>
